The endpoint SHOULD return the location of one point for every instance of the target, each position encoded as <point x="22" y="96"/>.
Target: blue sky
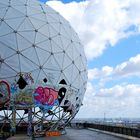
<point x="64" y="1"/>
<point x="121" y="52"/>
<point x="110" y="34"/>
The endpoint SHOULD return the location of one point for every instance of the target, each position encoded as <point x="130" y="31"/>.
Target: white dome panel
<point x="41" y="56"/>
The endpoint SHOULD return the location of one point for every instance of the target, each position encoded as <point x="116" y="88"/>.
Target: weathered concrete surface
<point x="115" y="134"/>
<point x="74" y="134"/>
<point x="19" y="137"/>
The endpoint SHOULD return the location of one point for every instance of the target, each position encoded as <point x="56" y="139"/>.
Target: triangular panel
<point x="40" y="38"/>
<point x="32" y="11"/>
<point x="36" y="22"/>
<point x="70" y="50"/>
<point x="59" y="57"/>
<point x="79" y="64"/>
<point x="18" y="2"/>
<point x="26" y="64"/>
<point x="19" y="7"/>
<point x="51" y="19"/>
<point x="6" y="71"/>
<point x="75" y="73"/>
<point x="39" y="17"/>
<point x="5" y="51"/>
<point x="29" y="35"/>
<point x="9" y="40"/>
<point x="18" y="21"/>
<point x="42" y="55"/>
<point x="45" y="30"/>
<point x="52" y="31"/>
<point x="68" y="72"/>
<point x="66" y="42"/>
<point x="13" y="13"/>
<point x="31" y="2"/>
<point x="23" y="43"/>
<point x="5" y="29"/>
<point x="67" y="61"/>
<point x="45" y="45"/>
<point x="13" y="62"/>
<point x="2" y="10"/>
<point x="26" y="25"/>
<point x="57" y="40"/>
<point x="55" y="47"/>
<point x="31" y="54"/>
<point x="51" y="64"/>
<point x="77" y="82"/>
<point x="4" y="2"/>
<point x="41" y="76"/>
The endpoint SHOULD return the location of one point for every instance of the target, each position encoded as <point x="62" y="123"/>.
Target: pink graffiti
<point x="4" y="93"/>
<point x="45" y="95"/>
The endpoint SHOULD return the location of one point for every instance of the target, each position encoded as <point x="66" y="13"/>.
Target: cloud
<point x="117" y="101"/>
<point x="96" y="73"/>
<point x="90" y="89"/>
<point x="120" y="91"/>
<point x="100" y="23"/>
<point x="129" y="68"/>
<point x="126" y="69"/>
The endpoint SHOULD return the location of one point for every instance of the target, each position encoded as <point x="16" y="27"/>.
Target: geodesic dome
<point x="42" y="61"/>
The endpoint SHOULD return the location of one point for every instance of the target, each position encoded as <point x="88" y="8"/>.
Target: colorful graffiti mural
<point x="45" y="97"/>
<point x="13" y="88"/>
<point x="4" y="93"/>
<point x="68" y="107"/>
<point x="24" y="98"/>
<point x="24" y="79"/>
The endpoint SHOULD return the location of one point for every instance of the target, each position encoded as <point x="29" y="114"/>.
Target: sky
<point x="64" y="1"/>
<point x="110" y="33"/>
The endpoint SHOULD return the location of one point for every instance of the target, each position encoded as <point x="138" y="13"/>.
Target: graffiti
<point x="13" y="88"/>
<point x="53" y="133"/>
<point x="4" y="93"/>
<point x="28" y="78"/>
<point x="61" y="94"/>
<point x="63" y="82"/>
<point x="24" y="80"/>
<point x="68" y="107"/>
<point x="45" y="97"/>
<point x="21" y="83"/>
<point x="24" y="98"/>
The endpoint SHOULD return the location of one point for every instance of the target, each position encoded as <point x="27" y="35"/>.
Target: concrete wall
<point x="135" y="132"/>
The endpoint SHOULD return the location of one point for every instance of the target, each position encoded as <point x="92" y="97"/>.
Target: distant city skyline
<point x="110" y="32"/>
